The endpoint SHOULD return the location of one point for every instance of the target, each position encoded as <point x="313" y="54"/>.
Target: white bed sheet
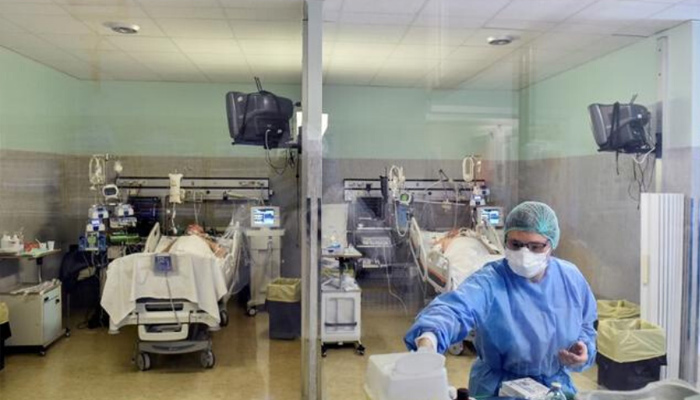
<point x="466" y="255"/>
<point x="198" y="277"/>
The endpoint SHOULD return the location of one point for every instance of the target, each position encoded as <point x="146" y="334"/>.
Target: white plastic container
<point x="525" y="388"/>
<point x="407" y="376"/>
<point x="665" y="390"/>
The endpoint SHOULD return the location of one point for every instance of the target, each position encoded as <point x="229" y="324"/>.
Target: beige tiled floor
<point x="94" y="365"/>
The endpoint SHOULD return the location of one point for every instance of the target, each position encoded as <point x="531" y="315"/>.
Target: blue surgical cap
<point x="536" y="217"/>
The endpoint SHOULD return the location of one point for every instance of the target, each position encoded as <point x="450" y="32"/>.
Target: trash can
<point x="617" y="309"/>
<point x="284" y="308"/>
<point x="630" y="353"/>
<point x="4" y="332"/>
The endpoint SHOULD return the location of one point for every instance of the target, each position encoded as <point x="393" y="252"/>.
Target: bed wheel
<point x="252" y="311"/>
<point x="143" y="361"/>
<point x="456" y="349"/>
<point x="207" y="359"/>
<point x="223" y="315"/>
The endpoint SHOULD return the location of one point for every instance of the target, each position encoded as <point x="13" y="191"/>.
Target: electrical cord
<point x="172" y="302"/>
<point x="277" y="169"/>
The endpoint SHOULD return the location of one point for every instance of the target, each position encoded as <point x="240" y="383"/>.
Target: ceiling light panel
<point x="521" y="25"/>
<point x="147" y="27"/>
<point x="480" y="37"/>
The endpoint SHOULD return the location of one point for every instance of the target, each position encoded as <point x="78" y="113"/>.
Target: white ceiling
<point x="404" y="43"/>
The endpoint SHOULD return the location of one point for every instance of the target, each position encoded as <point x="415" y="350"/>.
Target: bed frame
<point x="433" y="266"/>
<point x="179" y="326"/>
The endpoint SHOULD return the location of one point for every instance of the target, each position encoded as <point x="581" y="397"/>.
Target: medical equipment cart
<point x="341" y="309"/>
<point x="37" y="319"/>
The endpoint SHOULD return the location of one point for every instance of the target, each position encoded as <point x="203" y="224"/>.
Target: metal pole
<point x="662" y="123"/>
<point x="311" y="178"/>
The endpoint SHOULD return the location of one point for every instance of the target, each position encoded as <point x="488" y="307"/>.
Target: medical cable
<point x="172" y="302"/>
<point x="173" y="214"/>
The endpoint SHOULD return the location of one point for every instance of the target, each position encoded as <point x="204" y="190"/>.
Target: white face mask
<point x="526" y="263"/>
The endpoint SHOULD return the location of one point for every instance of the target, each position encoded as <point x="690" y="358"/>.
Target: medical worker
<point x="532" y="313"/>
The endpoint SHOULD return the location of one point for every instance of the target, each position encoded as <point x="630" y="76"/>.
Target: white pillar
<point x="311" y="180"/>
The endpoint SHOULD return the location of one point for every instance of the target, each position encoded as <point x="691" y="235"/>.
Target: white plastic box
<point x="525" y="388"/>
<point x="407" y="376"/>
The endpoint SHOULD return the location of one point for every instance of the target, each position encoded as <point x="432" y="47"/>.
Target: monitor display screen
<point x="492" y="215"/>
<point x="263" y="216"/>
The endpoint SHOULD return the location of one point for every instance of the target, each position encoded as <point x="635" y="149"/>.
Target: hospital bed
<point x="175" y="300"/>
<point x="446" y="270"/>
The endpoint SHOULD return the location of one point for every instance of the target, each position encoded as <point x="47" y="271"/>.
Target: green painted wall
<point x="386" y="123"/>
<point x="158" y="118"/>
<point x="39" y="107"/>
<point x="45" y="110"/>
<point x="136" y="118"/>
<point x="554" y="119"/>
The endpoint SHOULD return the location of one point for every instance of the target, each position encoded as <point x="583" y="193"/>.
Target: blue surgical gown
<point x="520" y="325"/>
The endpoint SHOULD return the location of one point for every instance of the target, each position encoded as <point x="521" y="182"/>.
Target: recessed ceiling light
<point x="500" y="40"/>
<point x="124" y="29"/>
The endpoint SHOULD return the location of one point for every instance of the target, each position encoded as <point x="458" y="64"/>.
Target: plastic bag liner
<point x="630" y="340"/>
<point x="284" y="290"/>
<point x="617" y="309"/>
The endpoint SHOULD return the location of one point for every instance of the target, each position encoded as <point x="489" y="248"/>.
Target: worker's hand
<point x="425" y="344"/>
<point x="575" y="356"/>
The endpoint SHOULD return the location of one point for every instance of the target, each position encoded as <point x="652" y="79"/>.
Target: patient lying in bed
<point x="466" y="253"/>
<point x="195" y="241"/>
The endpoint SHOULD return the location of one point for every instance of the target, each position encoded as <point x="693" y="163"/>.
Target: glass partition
<point x="454" y="131"/>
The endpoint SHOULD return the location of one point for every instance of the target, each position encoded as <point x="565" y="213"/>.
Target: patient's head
<point x="195" y="229"/>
